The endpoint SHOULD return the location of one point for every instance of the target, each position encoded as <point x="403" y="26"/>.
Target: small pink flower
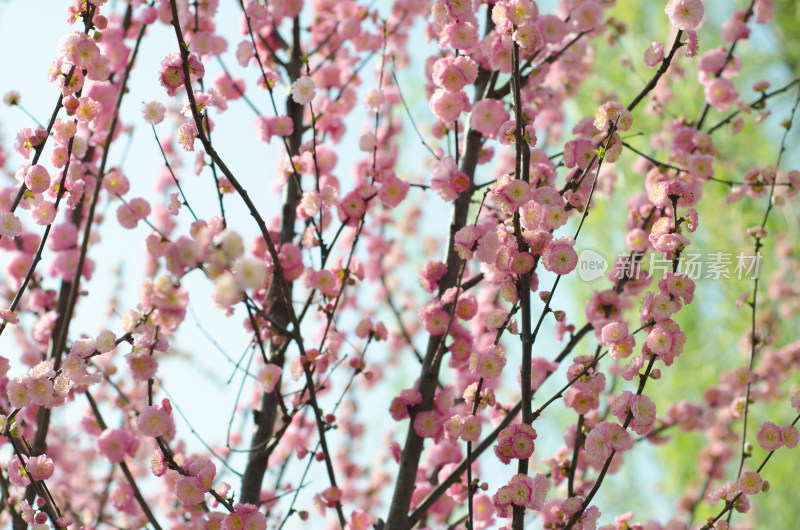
<point x="154" y="421"/>
<point x="764" y="10"/>
<point x="268" y="377"/>
<point x="597" y="443"/>
<point x="141" y="365"/>
<point x="553" y="28"/>
<point x="189" y="491"/>
<point x="507" y="134"/>
<point x="122" y="497"/>
<point x="789" y="435"/>
<point x="10" y="225"/>
<point x="171" y="73"/>
<point x="614" y="333"/>
<point x="303" y="90"/>
<point x="654" y="54"/>
<point x="487" y="117"/>
<point x="769" y="436"/>
<point x="560" y="256"/>
<point x="40" y="467"/>
<point x="116" y="444"/>
<point x="471" y="429"/>
<point x="610" y="113"/>
<point x="436" y="322"/>
<point x="15" y="475"/>
<point x="502" y="501"/>
<point x="618" y="437"/>
<point x="519" y="490"/>
<point x="88" y="109"/>
<point x="453" y="74"/>
<point x="720" y="93"/>
<point x="9" y="316"/>
<point x="453" y="427"/>
<point x="685" y="14"/>
<point x="352" y="206"/>
<point x="428" y="425"/>
<point x="127" y="217"/>
<point x="44" y="213"/>
<point x="392" y="191"/>
<point x="186" y="136"/>
<point x="448" y="106"/>
<point x="795" y="399"/>
<point x="462" y="36"/>
<point x="487" y="363"/>
<point x="37" y="179"/>
<point x="750" y="483"/>
<point x="153" y="112"/>
<point x="587" y="15"/>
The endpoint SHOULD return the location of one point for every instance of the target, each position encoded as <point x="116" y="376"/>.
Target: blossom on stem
<point x="303" y="90"/>
<point x="769" y="436"/>
<point x="685" y="14"/>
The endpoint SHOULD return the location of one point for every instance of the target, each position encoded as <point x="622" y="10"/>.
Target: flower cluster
<point x="522" y="490"/>
<point x="515" y="442"/>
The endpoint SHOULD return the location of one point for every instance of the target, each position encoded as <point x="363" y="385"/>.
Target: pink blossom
<point x="303" y="90"/>
<point x="750" y="482"/>
<point x="230" y="88"/>
<point x="392" y="191"/>
<point x="597" y="443"/>
<point x="553" y="28"/>
<point x="454" y="73"/>
<point x="268" y="377"/>
<point x="187" y="133"/>
<point x="171" y="72"/>
<point x="614" y="333"/>
<point x="720" y="93"/>
<point x="10" y="225"/>
<point x="352" y="206"/>
<point x="117" y="444"/>
<point x="122" y="497"/>
<point x="154" y="421"/>
<point x="520" y="490"/>
<point x="447" y="106"/>
<point x="509" y="13"/>
<point x="266" y="128"/>
<point x="428" y="425"/>
<point x="487" y="363"/>
<point x="471" y="430"/>
<point x="153" y="112"/>
<point x="40" y="467"/>
<point x="88" y="109"/>
<point x="795" y="399"/>
<point x="507" y="134"/>
<point x="502" y="501"/>
<point x="44" y="213"/>
<point x="189" y="490"/>
<point x="528" y="37"/>
<point x="764" y="11"/>
<point x="487" y="117"/>
<point x="37" y="179"/>
<point x="610" y="113"/>
<point x="685" y="14"/>
<point x="141" y="365"/>
<point x="789" y="435"/>
<point x="15" y="473"/>
<point x="587" y="15"/>
<point x="462" y="36"/>
<point x="560" y="256"/>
